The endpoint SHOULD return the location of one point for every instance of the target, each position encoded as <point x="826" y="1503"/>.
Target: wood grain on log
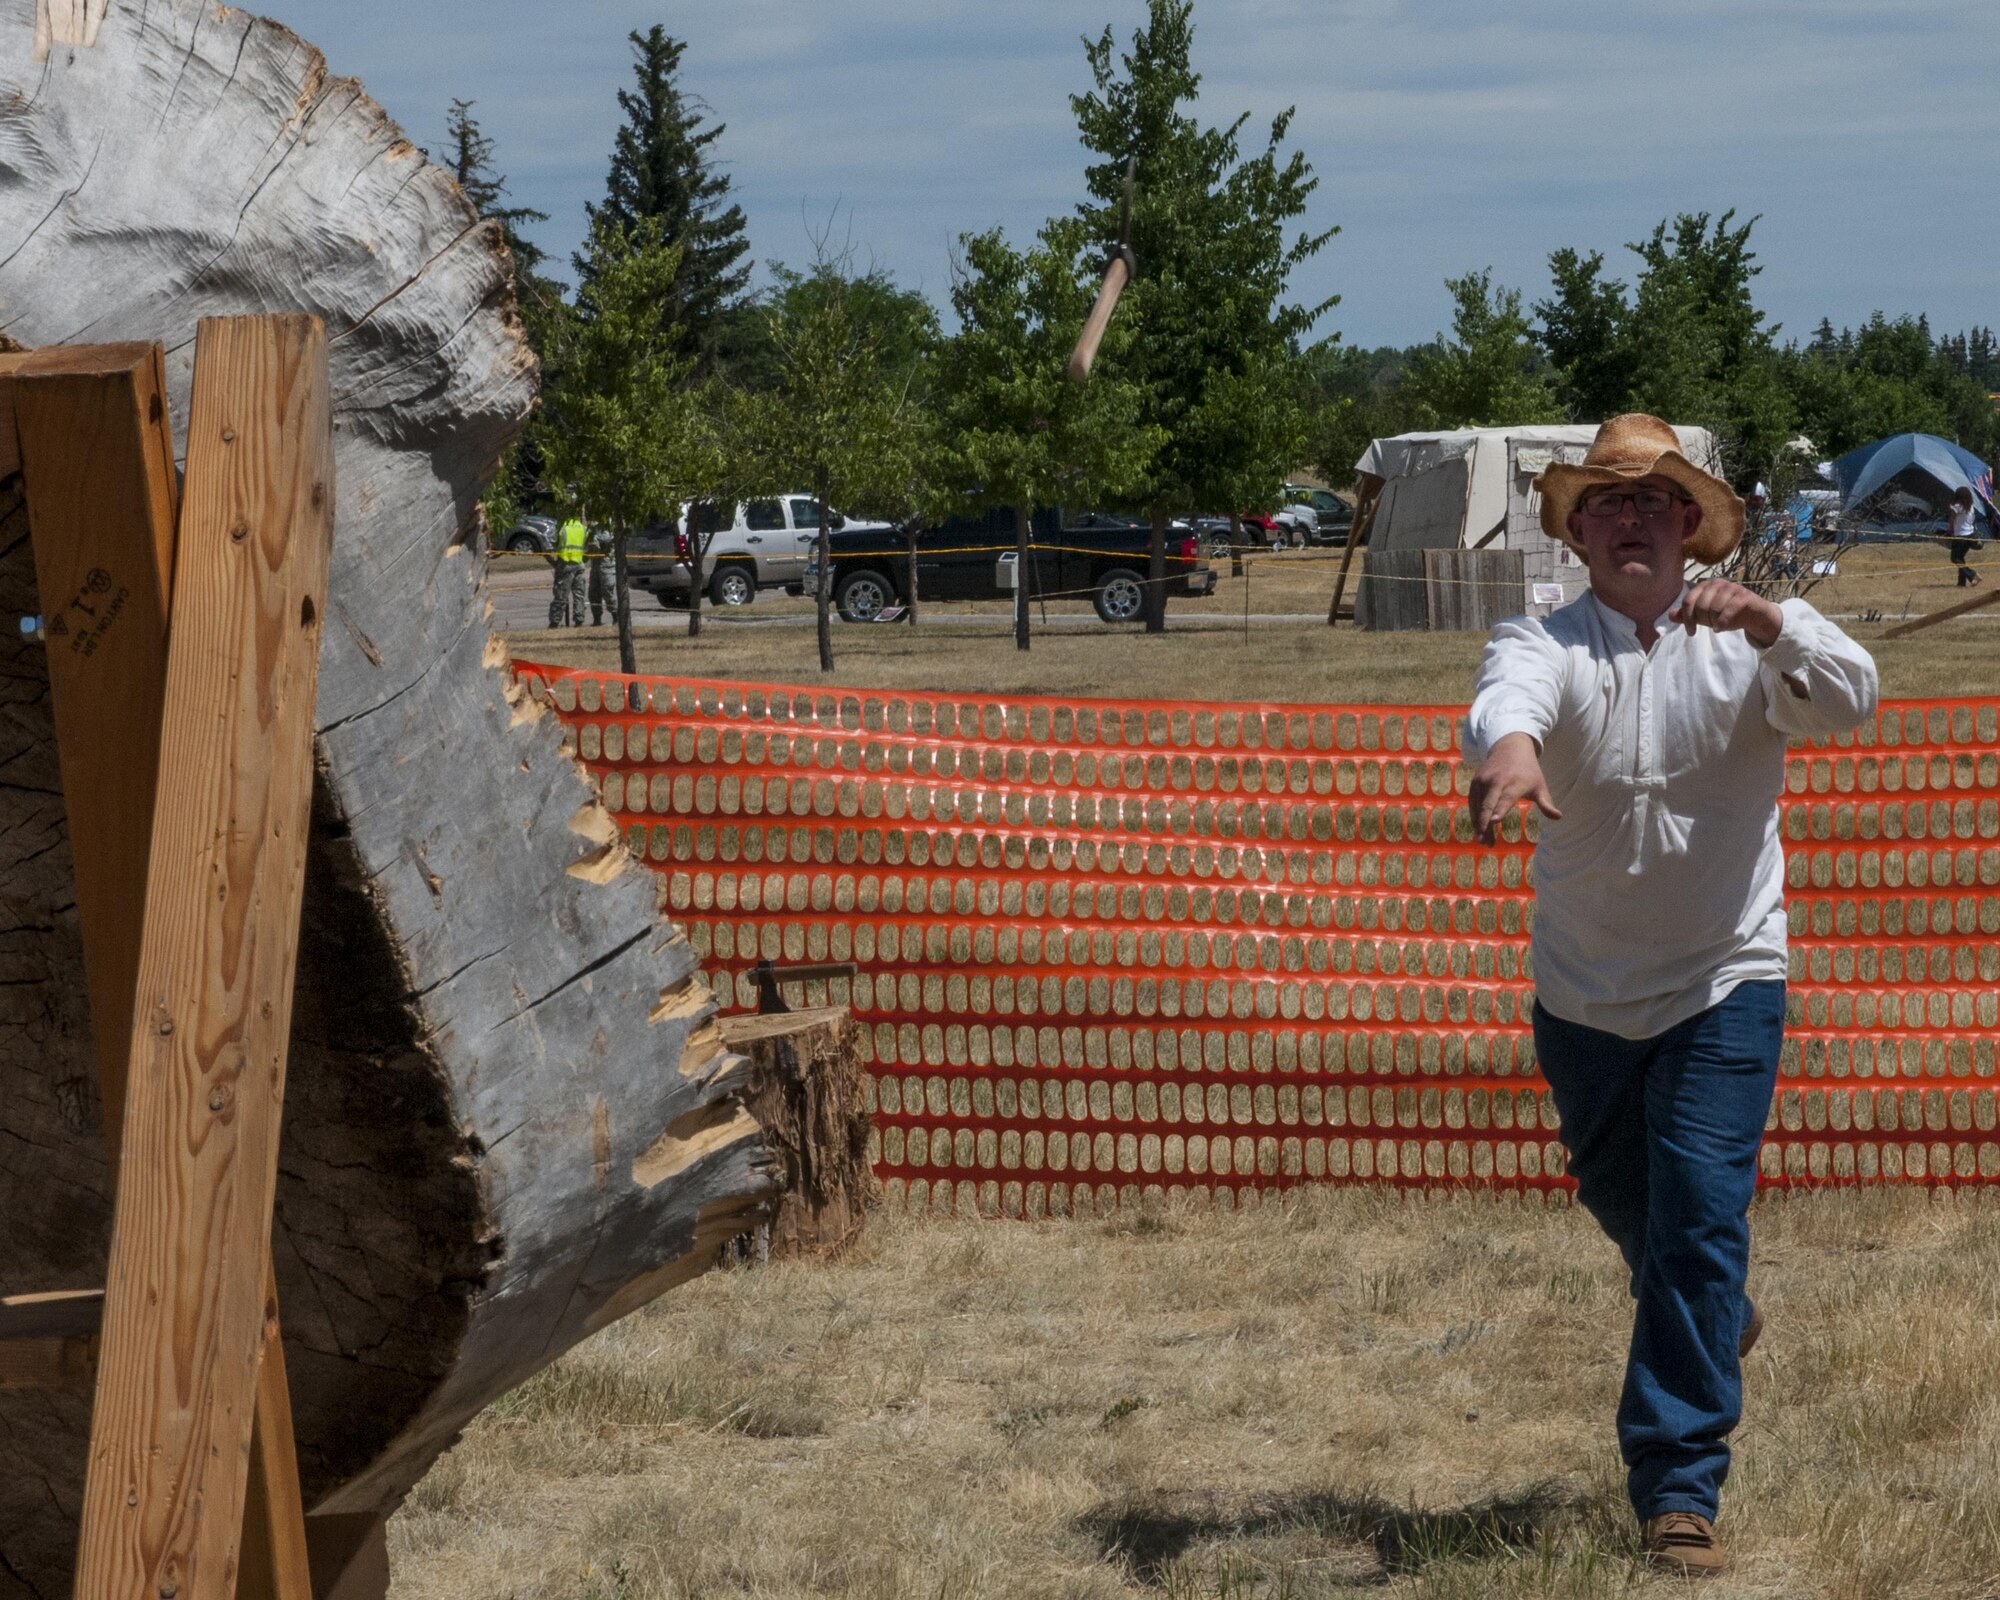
<point x="807" y="1091"/>
<point x="482" y="1042"/>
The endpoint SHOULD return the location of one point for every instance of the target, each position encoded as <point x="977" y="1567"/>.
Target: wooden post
<point x="90" y="424"/>
<point x="1156" y="575"/>
<point x="1024" y="574"/>
<point x="188" y="1313"/>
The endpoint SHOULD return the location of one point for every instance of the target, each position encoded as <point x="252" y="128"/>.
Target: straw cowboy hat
<point x="1634" y="446"/>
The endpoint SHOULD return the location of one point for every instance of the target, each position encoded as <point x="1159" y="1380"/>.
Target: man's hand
<point x="1511" y="773"/>
<point x="1719" y="604"/>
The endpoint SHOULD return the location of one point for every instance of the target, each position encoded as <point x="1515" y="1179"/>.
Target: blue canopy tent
<point x="1921" y="465"/>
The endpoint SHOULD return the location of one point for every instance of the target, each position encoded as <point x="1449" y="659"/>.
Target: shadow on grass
<point x="1149" y="1533"/>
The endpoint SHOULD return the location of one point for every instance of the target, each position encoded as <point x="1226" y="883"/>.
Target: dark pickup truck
<point x="1071" y="555"/>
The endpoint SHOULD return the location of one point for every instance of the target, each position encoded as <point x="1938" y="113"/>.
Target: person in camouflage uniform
<point x="598" y="560"/>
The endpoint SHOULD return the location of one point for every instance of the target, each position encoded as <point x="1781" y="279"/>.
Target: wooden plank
<point x="10" y="441"/>
<point x="103" y="498"/>
<point x="1357" y="537"/>
<point x="185" y="1320"/>
<point x="1467" y="591"/>
<point x="276" y="1564"/>
<point x="1392" y="585"/>
<point x="1918" y="624"/>
<point x="98" y="455"/>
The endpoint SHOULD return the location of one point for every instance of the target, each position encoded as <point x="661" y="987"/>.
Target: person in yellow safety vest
<point x="566" y="602"/>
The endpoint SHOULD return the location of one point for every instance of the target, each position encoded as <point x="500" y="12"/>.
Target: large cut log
<point x="510" y="1116"/>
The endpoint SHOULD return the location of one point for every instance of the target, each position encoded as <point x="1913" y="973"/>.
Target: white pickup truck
<point x="748" y="545"/>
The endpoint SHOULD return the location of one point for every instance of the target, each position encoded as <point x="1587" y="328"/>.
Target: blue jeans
<point x="1663" y="1136"/>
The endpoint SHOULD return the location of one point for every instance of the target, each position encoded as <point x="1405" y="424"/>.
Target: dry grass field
<point x="1344" y="1396"/>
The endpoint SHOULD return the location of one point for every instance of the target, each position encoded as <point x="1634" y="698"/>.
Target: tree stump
<point x="807" y="1091"/>
<point x="511" y="1116"/>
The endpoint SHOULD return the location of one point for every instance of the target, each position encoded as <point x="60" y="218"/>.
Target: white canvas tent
<point x="1473" y="488"/>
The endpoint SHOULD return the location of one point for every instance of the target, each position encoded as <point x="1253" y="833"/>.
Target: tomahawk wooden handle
<point x="1116" y="276"/>
<point x="815" y="971"/>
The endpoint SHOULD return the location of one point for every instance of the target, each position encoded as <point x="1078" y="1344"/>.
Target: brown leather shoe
<point x="1753" y="1330"/>
<point x="1683" y="1544"/>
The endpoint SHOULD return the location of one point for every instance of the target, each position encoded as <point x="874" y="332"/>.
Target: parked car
<point x="748" y="545"/>
<point x="974" y="557"/>
<point x="530" y="535"/>
<point x="1333" y="517"/>
<point x="1300" y="526"/>
<point x="1286" y="525"/>
<point x="537" y="536"/>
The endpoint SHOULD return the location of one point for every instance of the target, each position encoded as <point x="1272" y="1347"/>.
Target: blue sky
<point x="1447" y="135"/>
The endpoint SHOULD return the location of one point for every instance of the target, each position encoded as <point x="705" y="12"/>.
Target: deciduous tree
<point x="625" y="435"/>
<point x="1216" y="343"/>
<point x="1014" y="431"/>
<point x="835" y="417"/>
<point x="1489" y="373"/>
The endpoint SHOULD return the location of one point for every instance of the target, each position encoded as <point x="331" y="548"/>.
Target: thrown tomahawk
<point x="1119" y="268"/>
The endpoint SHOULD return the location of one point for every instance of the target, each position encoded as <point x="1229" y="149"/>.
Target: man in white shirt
<point x="1648" y="722"/>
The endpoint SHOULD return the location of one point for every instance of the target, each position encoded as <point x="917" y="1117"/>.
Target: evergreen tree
<point x="1981" y="354"/>
<point x="1215" y="351"/>
<point x="663" y="167"/>
<point x="468" y="152"/>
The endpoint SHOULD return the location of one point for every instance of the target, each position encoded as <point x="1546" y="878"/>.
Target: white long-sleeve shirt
<point x="1663" y="885"/>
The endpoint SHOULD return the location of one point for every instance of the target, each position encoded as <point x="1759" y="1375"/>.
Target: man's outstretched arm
<point x="1514" y="704"/>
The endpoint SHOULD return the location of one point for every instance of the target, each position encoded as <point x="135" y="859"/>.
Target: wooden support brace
<point x="103" y="508"/>
<point x="1364" y="524"/>
<point x="98" y="454"/>
<point x="189" y="1319"/>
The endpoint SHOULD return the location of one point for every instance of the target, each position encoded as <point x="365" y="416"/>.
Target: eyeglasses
<point x="1606" y="503"/>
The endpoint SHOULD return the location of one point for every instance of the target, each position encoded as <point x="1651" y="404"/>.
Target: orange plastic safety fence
<point x="1108" y="949"/>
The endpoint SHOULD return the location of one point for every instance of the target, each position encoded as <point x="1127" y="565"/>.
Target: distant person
<point x="1647" y="721"/>
<point x="566" y="599"/>
<point x="599" y="563"/>
<point x="1963" y="536"/>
